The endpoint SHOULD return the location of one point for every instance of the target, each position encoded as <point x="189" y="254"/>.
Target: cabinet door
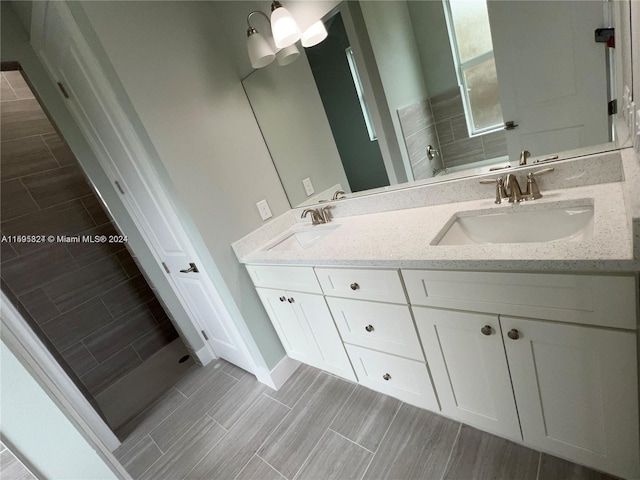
<point x="577" y="392"/>
<point x="466" y="356"/>
<point x="313" y="313"/>
<point x="305" y="327"/>
<point x="296" y="337"/>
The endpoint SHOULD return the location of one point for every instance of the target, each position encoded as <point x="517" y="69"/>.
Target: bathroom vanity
<point x="534" y="341"/>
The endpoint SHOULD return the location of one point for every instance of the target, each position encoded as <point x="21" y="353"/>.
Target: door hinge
<point x="63" y="90"/>
<point x="166" y="269"/>
<point x="612" y="107"/>
<point x="119" y="187"/>
<point x="606" y="35"/>
<point x="204" y="334"/>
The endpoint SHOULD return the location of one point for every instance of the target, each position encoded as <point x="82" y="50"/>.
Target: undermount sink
<point x="302" y="239"/>
<point x="551" y="224"/>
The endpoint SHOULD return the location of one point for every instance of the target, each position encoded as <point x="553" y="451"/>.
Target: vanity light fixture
<point x="314" y="34"/>
<point x="285" y="32"/>
<point x="283" y="26"/>
<point x="260" y="52"/>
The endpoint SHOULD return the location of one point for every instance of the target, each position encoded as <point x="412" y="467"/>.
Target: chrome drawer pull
<point x="355" y="286"/>
<point x="386" y="376"/>
<point x="369" y="328"/>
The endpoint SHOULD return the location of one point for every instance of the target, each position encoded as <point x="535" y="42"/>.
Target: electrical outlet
<point x="263" y="208"/>
<point x="308" y="186"/>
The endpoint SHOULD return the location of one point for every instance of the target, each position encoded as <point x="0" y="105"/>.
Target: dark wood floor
<point x="220" y="423"/>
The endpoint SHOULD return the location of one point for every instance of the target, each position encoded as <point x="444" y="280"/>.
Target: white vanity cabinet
<point x="380" y="337"/>
<point x="302" y="320"/>
<point x="573" y="380"/>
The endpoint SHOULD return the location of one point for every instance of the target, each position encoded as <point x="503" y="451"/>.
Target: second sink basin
<point x="551" y="224"/>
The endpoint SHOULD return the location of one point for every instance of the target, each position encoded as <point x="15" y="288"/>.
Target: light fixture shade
<point x="283" y="26"/>
<point x="260" y="53"/>
<point x="314" y="34"/>
<point x="288" y="55"/>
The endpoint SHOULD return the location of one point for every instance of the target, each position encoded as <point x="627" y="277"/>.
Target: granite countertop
<point x="402" y="238"/>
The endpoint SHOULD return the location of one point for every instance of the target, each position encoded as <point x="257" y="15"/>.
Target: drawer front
<point x="379" y="285"/>
<point x="404" y="379"/>
<point x="299" y="279"/>
<point x="380" y="326"/>
<point x="584" y="299"/>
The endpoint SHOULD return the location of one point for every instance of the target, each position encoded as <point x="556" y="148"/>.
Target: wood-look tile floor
<point x="220" y="423"/>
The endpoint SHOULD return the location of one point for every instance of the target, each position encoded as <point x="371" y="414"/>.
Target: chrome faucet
<point x="524" y="155"/>
<point x="338" y="195"/>
<point x="513" y="189"/>
<point x="508" y="187"/>
<point x="318" y="217"/>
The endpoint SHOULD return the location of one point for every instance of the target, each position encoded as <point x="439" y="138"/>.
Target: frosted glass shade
<point x="314" y="34"/>
<point x="284" y="28"/>
<point x="288" y="55"/>
<point x="260" y="53"/>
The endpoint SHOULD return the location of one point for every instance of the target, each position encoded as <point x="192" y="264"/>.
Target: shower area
<point x="67" y="270"/>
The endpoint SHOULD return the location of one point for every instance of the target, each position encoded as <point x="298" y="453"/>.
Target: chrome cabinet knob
<point x="290" y="300"/>
<point x="355" y="286"/>
<point x="386" y="376"/>
<point x="513" y="334"/>
<point x="369" y="328"/>
<point x="486" y="330"/>
<point x="282" y="299"/>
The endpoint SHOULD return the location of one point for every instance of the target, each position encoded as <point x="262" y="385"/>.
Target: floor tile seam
<point x="155" y="426"/>
<point x="271" y="466"/>
<point x="355" y="387"/>
<point x="266" y="394"/>
<point x="175" y="443"/>
<point x="351" y="441"/>
<point x="218" y="423"/>
<point x="272" y="432"/>
<point x="60" y="166"/>
<point x="244" y="466"/>
<point x="381" y="440"/>
<point x="205" y="455"/>
<point x="10" y="87"/>
<point x="240" y="417"/>
<point x="453" y="447"/>
<point x="306" y="390"/>
<point x="209" y="380"/>
<point x="539" y="465"/>
<point x="306" y="460"/>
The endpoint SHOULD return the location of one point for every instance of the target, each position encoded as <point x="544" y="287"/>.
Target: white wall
<point x="173" y="67"/>
<point x="35" y="428"/>
<point x="434" y="48"/>
<point x="394" y="46"/>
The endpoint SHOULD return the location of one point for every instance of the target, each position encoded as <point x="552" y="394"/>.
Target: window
<point x="470" y="35"/>
<point x="360" y="91"/>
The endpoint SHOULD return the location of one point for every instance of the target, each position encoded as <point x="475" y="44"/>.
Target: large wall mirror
<point x="425" y="91"/>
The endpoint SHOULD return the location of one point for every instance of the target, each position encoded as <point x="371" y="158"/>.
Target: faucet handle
<point x="524" y="155"/>
<point x="501" y="193"/>
<point x="533" y="191"/>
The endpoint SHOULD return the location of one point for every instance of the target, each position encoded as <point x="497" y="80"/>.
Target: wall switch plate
<point x="308" y="186"/>
<point x="263" y="208"/>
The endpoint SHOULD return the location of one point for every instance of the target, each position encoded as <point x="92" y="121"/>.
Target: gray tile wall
<point x="456" y="147"/>
<point x="440" y="121"/>
<point x="90" y="300"/>
<point x="418" y="129"/>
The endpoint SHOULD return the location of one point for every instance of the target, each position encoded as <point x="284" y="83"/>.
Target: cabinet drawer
<point x="379" y="285"/>
<point x="404" y="379"/>
<point x="380" y="326"/>
<point x="299" y="279"/>
<point x="585" y="299"/>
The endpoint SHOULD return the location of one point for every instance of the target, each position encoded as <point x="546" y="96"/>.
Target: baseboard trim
<point x="278" y="374"/>
<point x="204" y="356"/>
